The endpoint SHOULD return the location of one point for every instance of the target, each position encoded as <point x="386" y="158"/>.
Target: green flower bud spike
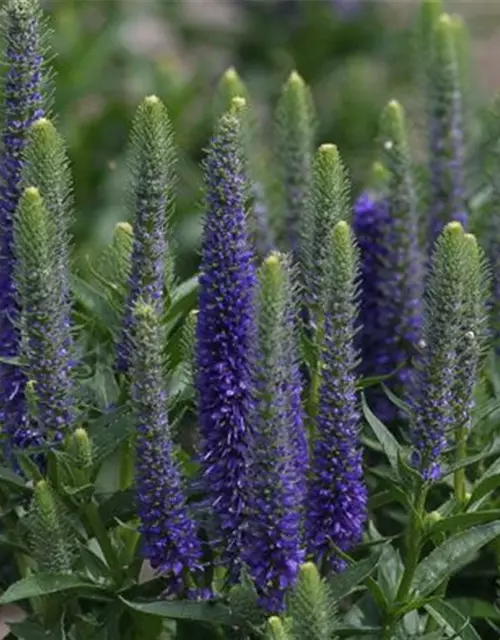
<point x="329" y="204"/>
<point x="276" y="630"/>
<point x="310" y="606"/>
<point x="295" y="131"/>
<point x="49" y="534"/>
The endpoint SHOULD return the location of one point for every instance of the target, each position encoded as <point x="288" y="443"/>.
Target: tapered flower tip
<point x="152" y="100"/>
<point x="42" y="124"/>
<point x="454" y="229"/>
<point x="238" y="105"/>
<point x="392" y="124"/>
<point x="379" y="175"/>
<point x="341" y="234"/>
<point x="231" y="85"/>
<point x="43" y="497"/>
<point x="471" y="242"/>
<point x="309" y="577"/>
<point x="124" y="227"/>
<point x="275" y="629"/>
<point x="32" y="195"/>
<point x="295" y="80"/>
<point x="272" y="274"/>
<point x="79" y="446"/>
<point x="328" y="156"/>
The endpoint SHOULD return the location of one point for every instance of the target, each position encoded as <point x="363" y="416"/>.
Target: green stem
<point x="102" y="537"/>
<point x="413" y="544"/>
<point x="461" y="454"/>
<point x="126" y="464"/>
<point x="313" y="399"/>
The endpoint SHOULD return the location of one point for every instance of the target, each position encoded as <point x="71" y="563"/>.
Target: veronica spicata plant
<point x="336" y="504"/>
<point x="150" y="195"/>
<point x="225" y="335"/>
<point x="273" y="545"/>
<point x="24" y="101"/>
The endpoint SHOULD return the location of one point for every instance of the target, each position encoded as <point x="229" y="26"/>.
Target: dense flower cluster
<point x="336" y="504"/>
<point x="23" y="103"/>
<point x="435" y="411"/>
<point x="44" y="347"/>
<point x="150" y="199"/>
<point x="273" y="548"/>
<point x="169" y="534"/>
<point x="225" y="334"/>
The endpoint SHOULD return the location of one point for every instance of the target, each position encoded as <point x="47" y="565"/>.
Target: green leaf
<point x="13" y="481"/>
<point x="446" y="615"/>
<point x="343" y="583"/>
<point x="44" y="584"/>
<point x="94" y="302"/>
<point x="485" y="486"/>
<point x="210" y="612"/>
<point x="476" y="608"/>
<point x="463" y="521"/>
<point x="389" y="443"/>
<point x="451" y="556"/>
<point x="32" y="631"/>
<point x="120" y="506"/>
<point x="353" y="632"/>
<point x="16" y="545"/>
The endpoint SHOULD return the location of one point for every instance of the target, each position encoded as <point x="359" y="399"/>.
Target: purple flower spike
<point x="225" y="337"/>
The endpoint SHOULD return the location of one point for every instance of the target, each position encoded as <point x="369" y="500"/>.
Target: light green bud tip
<point x="151" y="100"/>
<point x="309" y="574"/>
<point x="238" y="104"/>
<point x="193" y="313"/>
<point x="41" y="124"/>
<point x="43" y="497"/>
<point x="232" y="83"/>
<point x="341" y="232"/>
<point x="453" y="229"/>
<point x="295" y="80"/>
<point x="329" y="152"/>
<point x="379" y="174"/>
<point x="395" y="110"/>
<point x="432" y="518"/>
<point x="276" y="630"/>
<point x="124" y="227"/>
<point x="32" y="194"/>
<point x="273" y="271"/>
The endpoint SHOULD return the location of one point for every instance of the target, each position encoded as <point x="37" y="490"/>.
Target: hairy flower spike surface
<point x="47" y="168"/>
<point x="24" y="101"/>
<point x="328" y="205"/>
<point x="435" y="407"/>
<point x="50" y="536"/>
<point x="472" y="346"/>
<point x="336" y="505"/>
<point x="278" y="453"/>
<point x="44" y="351"/>
<point x="225" y="335"/>
<point x="295" y="147"/>
<point x="170" y="541"/>
<point x="446" y="130"/>
<point x="151" y="199"/>
<point x="231" y="86"/>
<point x="370" y="220"/>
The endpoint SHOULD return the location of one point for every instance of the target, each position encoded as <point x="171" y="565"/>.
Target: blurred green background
<point x="110" y="53"/>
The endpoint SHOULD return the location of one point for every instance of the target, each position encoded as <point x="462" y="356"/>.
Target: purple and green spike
<point x="225" y="337"/>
